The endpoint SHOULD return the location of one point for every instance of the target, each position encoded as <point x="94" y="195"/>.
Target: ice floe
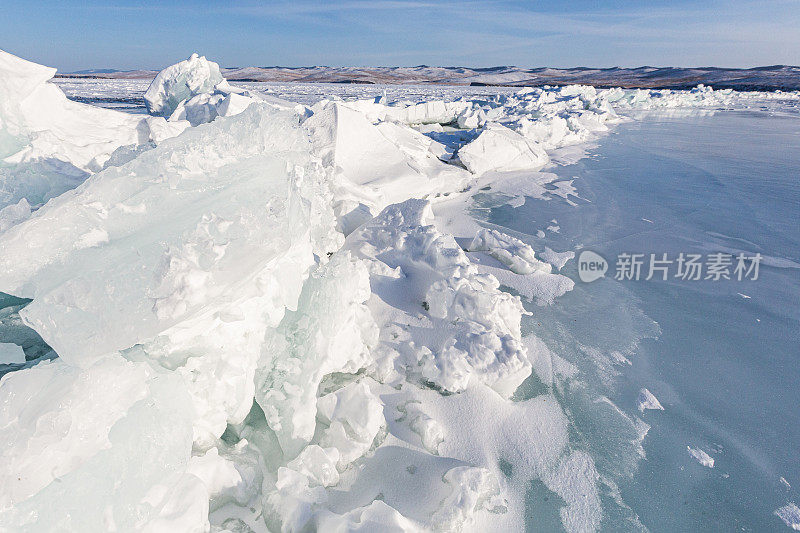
<point x="647" y="400"/>
<point x="701" y="457"/>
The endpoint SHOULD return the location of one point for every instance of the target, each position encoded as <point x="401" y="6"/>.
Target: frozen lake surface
<point x="721" y="356"/>
<point x="404" y="308"/>
<point x="126" y="95"/>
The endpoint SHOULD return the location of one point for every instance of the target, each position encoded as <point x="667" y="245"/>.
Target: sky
<point x="127" y="34"/>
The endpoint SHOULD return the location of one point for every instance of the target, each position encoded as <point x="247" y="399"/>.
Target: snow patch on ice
<point x="474" y="327"/>
<point x="557" y="259"/>
<point x="512" y="252"/>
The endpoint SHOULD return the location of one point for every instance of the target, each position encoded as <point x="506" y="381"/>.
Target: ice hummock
<point x="499" y="148"/>
<point x="49" y="144"/>
<point x="194" y="91"/>
<point x="379" y="163"/>
<point x="261" y="322"/>
<point x="177" y="229"/>
<point x="512" y="252"/>
<point x="174" y="274"/>
<point x="182" y="81"/>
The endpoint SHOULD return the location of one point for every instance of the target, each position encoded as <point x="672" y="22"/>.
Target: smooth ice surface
<point x="11" y="354"/>
<point x="722" y="366"/>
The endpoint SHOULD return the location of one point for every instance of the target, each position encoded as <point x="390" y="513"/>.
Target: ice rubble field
<point x="260" y="318"/>
<point x="129" y="93"/>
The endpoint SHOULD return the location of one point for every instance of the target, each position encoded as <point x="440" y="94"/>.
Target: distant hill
<point x="760" y="78"/>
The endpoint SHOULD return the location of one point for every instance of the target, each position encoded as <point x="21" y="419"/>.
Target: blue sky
<point x="152" y="34"/>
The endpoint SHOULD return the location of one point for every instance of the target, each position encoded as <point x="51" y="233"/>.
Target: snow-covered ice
<point x="49" y="144"/>
<point x="181" y="82"/>
<point x="272" y="315"/>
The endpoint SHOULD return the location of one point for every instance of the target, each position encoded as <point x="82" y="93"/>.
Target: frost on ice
<point x="259" y="321"/>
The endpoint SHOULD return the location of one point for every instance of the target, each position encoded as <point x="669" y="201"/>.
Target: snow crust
<point x="263" y="321"/>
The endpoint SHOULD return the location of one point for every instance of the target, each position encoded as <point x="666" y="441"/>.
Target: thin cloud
<point x="295" y="8"/>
